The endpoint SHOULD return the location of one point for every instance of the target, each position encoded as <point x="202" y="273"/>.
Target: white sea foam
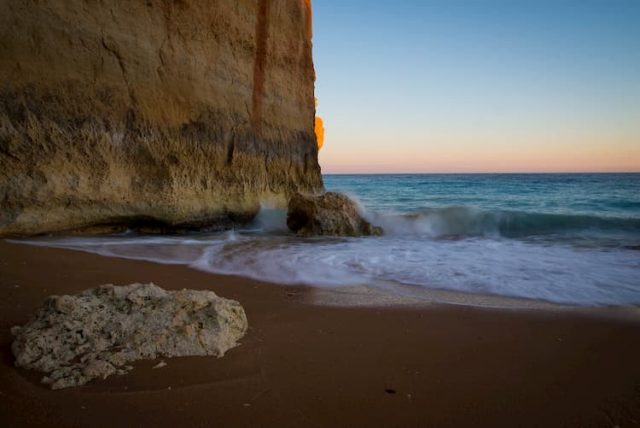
<point x="566" y="238"/>
<point x="496" y="266"/>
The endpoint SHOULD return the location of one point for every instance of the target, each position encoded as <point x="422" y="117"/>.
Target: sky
<point x="478" y="85"/>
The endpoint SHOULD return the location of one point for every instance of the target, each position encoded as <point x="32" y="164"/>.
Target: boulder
<point x="97" y="333"/>
<point x="327" y="214"/>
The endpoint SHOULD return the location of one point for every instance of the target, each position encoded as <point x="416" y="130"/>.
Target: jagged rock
<point x="156" y="115"/>
<point x="94" y="334"/>
<point x="327" y="214"/>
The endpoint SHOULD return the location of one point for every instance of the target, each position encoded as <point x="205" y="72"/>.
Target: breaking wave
<point x="475" y="222"/>
<point x="492" y="236"/>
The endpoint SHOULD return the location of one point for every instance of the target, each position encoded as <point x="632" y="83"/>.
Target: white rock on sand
<point x="94" y="334"/>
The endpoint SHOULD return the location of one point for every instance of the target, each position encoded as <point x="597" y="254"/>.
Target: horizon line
<point x="482" y="173"/>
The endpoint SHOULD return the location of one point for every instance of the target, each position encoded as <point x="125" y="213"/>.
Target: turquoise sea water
<point x="565" y="238"/>
<point x="584" y="209"/>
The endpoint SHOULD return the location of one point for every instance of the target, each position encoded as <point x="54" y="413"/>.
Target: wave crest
<point x="468" y="221"/>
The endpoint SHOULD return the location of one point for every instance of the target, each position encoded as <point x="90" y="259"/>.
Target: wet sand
<point x="307" y="365"/>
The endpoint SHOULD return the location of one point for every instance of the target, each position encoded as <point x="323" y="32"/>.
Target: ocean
<point x="571" y="239"/>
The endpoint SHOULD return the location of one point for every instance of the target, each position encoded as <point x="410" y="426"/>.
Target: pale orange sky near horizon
<point x="435" y="86"/>
<point x="454" y="153"/>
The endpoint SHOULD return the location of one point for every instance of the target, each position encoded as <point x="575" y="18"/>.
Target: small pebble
<point x="160" y="365"/>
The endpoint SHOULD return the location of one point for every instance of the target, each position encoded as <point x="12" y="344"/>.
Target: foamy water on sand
<point x="567" y="239"/>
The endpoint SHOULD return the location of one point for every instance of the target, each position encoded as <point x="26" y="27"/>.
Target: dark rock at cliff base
<point x="327" y="214"/>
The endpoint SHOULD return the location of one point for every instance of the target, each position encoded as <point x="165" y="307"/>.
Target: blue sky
<point x="448" y="86"/>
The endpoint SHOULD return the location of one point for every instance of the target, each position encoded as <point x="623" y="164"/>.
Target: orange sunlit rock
<point x="319" y="131"/>
<point x="319" y="128"/>
<point x="309" y="10"/>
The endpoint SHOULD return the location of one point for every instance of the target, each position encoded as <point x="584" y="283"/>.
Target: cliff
<point x="159" y="114"/>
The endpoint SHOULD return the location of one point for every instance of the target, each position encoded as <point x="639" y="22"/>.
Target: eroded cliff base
<point x="329" y="214"/>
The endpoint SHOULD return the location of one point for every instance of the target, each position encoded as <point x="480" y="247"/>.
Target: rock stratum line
<point x="155" y="115"/>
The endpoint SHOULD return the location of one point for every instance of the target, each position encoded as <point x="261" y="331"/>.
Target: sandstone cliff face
<point x="160" y="113"/>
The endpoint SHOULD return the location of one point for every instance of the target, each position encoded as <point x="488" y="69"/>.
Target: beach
<point x="181" y="246"/>
<point x="310" y="365"/>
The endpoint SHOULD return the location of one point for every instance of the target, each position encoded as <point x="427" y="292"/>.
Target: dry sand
<point x="306" y="365"/>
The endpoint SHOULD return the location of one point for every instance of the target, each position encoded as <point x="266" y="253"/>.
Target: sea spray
<point x="564" y="239"/>
<point x="474" y="222"/>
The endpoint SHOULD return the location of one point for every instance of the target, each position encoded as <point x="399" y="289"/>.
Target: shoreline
<point x="310" y="365"/>
<point x="386" y="295"/>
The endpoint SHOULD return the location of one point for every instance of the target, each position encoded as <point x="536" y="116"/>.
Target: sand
<point x="310" y="365"/>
